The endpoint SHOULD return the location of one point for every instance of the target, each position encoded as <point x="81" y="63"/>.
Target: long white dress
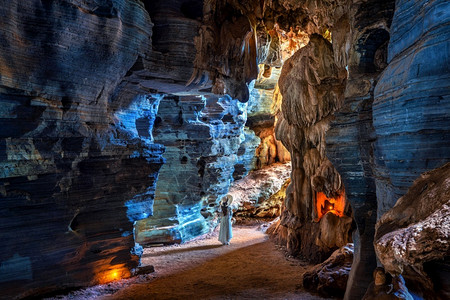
<point x="225" y="232"/>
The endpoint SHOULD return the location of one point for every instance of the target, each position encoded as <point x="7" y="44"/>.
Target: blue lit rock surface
<point x="262" y="107"/>
<point x="203" y="137"/>
<point x="78" y="163"/>
<point x="261" y="97"/>
<point x="393" y="125"/>
<point x="77" y="166"/>
<point x="412" y="98"/>
<point x="412" y="126"/>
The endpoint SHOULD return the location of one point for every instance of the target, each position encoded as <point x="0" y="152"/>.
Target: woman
<point x="225" y="233"/>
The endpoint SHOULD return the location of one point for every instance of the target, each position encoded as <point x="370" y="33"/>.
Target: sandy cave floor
<point x="252" y="267"/>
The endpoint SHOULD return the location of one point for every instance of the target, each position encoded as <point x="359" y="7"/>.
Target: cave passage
<point x="124" y="123"/>
<point x="251" y="267"/>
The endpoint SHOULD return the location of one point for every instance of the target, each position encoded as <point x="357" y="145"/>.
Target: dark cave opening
<point x="373" y="48"/>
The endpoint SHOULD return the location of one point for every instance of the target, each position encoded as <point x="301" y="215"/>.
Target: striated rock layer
<point x="412" y="98"/>
<point x="77" y="166"/>
<point x="410" y="117"/>
<point x="81" y="83"/>
<point x="262" y="107"/>
<point x="350" y="139"/>
<point x="206" y="150"/>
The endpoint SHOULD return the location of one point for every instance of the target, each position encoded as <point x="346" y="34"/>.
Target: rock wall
<point x="392" y="126"/>
<point x="410" y="111"/>
<point x="410" y="117"/>
<point x="330" y="277"/>
<point x="205" y="151"/>
<point x="167" y="64"/>
<point x="412" y="238"/>
<point x="261" y="193"/>
<point x="83" y="83"/>
<point x="262" y="107"/>
<point x="350" y="139"/>
<point x="78" y="166"/>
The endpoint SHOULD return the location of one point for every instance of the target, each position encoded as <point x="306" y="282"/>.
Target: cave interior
<point x="123" y="123"/>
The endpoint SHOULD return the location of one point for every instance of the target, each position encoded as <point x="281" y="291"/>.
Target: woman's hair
<point x="224" y="207"/>
<point x="224" y="203"/>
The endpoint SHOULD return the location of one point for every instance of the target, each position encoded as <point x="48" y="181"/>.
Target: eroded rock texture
<point x="350" y="140"/>
<point x="78" y="167"/>
<point x="410" y="111"/>
<point x="82" y="81"/>
<point x="416" y="231"/>
<point x="207" y="146"/>
<point x="312" y="87"/>
<point x="168" y="62"/>
<point x="386" y="287"/>
<point x="256" y="195"/>
<point x="205" y="151"/>
<point x="262" y="107"/>
<point x="330" y="277"/>
<point x="410" y="117"/>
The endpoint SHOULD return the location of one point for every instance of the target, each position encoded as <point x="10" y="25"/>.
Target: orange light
<point x="326" y="204"/>
<point x="112" y="275"/>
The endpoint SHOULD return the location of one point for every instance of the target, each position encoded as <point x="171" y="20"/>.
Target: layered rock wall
<point x="261" y="193"/>
<point x="410" y="111"/>
<point x="350" y="140"/>
<point x="261" y="111"/>
<point x="82" y="81"/>
<point x="383" y="138"/>
<point x="206" y="150"/>
<point x="413" y="238"/>
<point x="78" y="167"/>
<point x="410" y="117"/>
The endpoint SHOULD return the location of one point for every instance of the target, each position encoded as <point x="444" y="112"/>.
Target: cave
<point x="125" y="123"/>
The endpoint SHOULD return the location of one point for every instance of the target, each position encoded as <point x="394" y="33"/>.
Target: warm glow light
<point x="290" y="41"/>
<point x="326" y="204"/>
<point x="113" y="274"/>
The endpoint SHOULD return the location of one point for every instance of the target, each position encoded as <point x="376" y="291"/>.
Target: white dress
<point x="225" y="233"/>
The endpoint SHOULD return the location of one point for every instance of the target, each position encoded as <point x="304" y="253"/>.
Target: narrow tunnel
<point x="133" y="133"/>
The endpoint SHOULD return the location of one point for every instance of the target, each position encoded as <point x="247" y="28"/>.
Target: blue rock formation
<point x="412" y="126"/>
<point x="412" y="98"/>
<point x="204" y="139"/>
<point x="393" y="125"/>
<point x="77" y="165"/>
